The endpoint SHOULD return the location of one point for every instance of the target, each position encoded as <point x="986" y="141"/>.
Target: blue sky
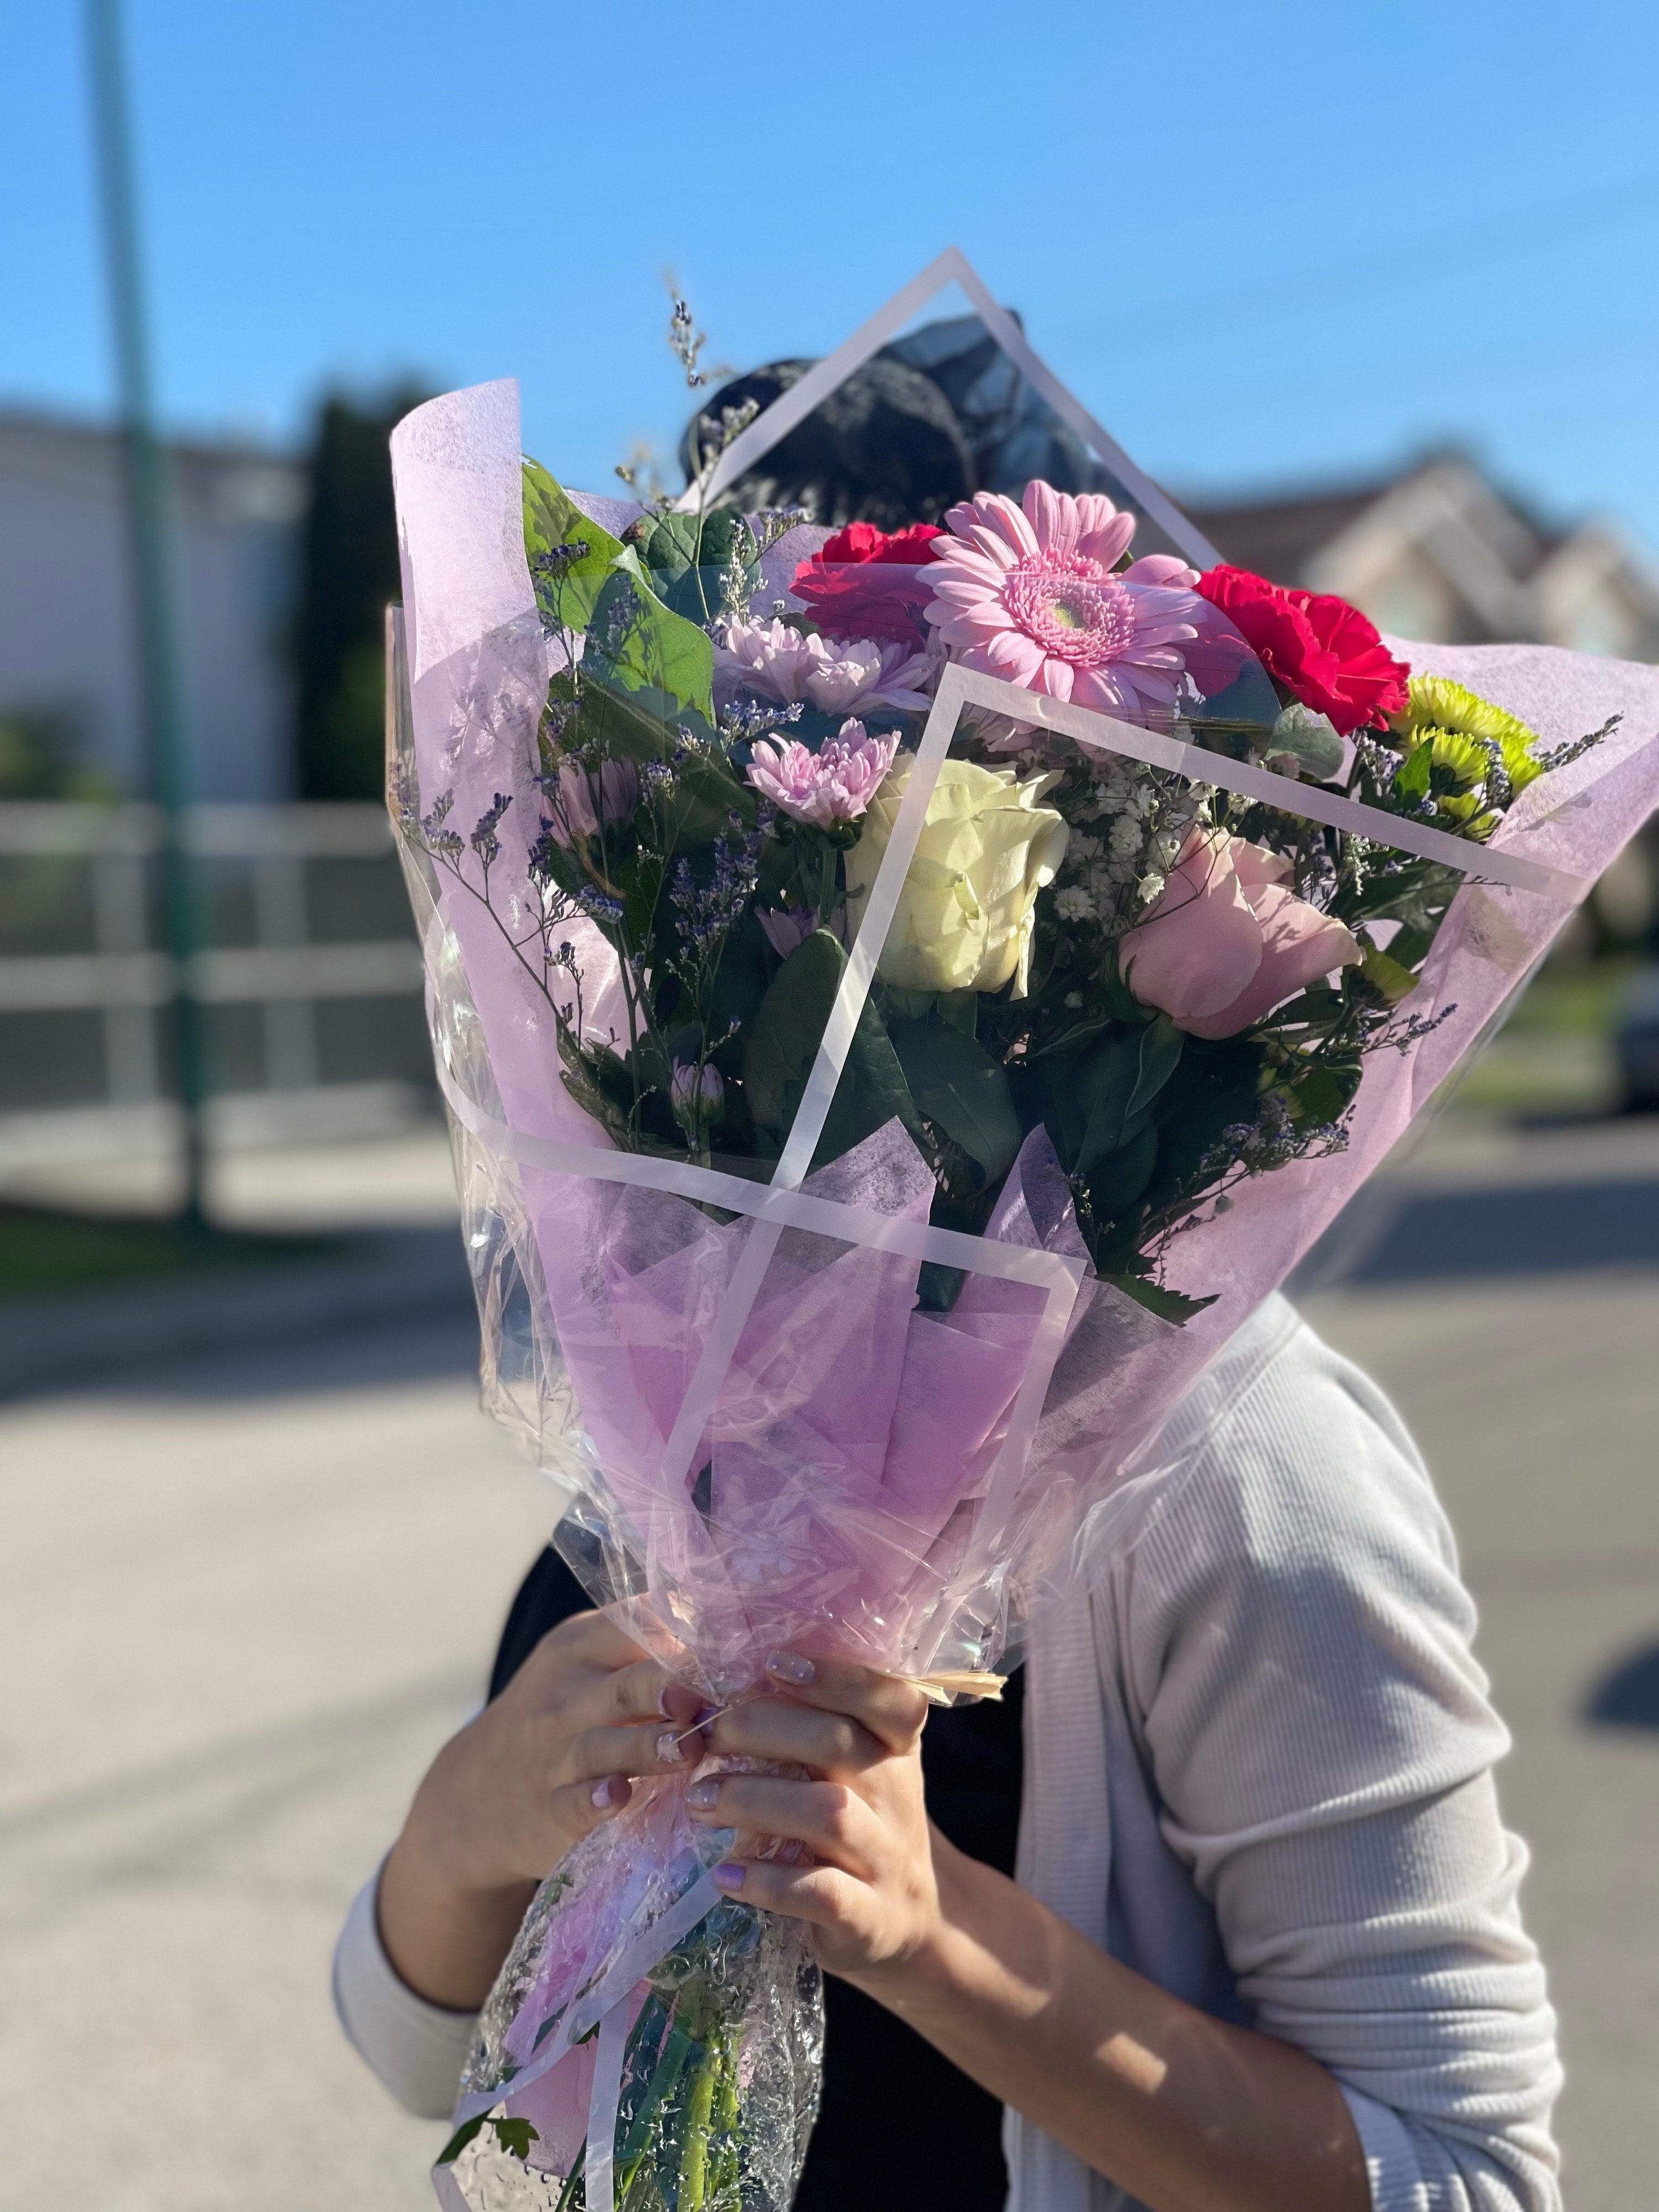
<point x="1285" y="242"/>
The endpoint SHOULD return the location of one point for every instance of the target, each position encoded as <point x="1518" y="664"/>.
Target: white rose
<point x="964" y="915"/>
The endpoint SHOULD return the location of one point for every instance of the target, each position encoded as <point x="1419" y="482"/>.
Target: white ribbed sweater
<point x="1258" y="1771"/>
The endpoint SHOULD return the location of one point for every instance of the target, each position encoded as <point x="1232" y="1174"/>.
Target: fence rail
<point x="85" y="985"/>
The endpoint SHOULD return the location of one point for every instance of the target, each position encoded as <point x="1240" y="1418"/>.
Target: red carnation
<point x="865" y="582"/>
<point x="1319" y="648"/>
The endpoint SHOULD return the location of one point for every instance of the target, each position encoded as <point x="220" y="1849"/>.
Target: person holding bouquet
<point x="1313" y="1990"/>
<point x="1214" y="1912"/>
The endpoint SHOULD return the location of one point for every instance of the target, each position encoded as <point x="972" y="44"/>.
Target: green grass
<point x="43" y="1251"/>
<point x="1575" y="999"/>
<point x="1554" y="1055"/>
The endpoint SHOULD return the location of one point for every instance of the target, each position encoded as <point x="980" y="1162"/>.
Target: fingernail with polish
<point x="790" y="1667"/>
<point x="669" y="1749"/>
<point x="704" y="1714"/>
<point x="609" y="1792"/>
<point x="702" y="1794"/>
<point x="728" y="1874"/>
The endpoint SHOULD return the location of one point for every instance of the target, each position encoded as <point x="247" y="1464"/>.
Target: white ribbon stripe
<point x="794" y="406"/>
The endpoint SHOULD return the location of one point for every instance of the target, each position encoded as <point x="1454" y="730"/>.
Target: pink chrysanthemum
<point x="841" y="676"/>
<point x="835" y="785"/>
<point x="1027" y="593"/>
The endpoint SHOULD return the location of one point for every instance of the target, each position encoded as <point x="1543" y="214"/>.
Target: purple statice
<point x="1404" y="1035"/>
<point x="746" y="720"/>
<point x="483" y="841"/>
<point x="446" y="844"/>
<point x="1274" y="1140"/>
<point x="707" y="911"/>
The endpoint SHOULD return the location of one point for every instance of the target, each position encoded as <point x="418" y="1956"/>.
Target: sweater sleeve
<point x="417" y="2049"/>
<point x="1297" y="1655"/>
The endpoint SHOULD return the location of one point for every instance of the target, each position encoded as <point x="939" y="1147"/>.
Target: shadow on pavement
<point x="376" y="1353"/>
<point x="1523" y="1229"/>
<point x="1629" y="1696"/>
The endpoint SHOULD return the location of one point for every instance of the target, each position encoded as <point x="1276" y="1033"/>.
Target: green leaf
<point x="1161" y="1045"/>
<point x="1386" y="977"/>
<point x="552" y="518"/>
<point x="784" y="1040"/>
<point x="515" y="2136"/>
<point x="661" y="650"/>
<point x="1168" y="1305"/>
<point x="939" y="1287"/>
<point x="783" y="1044"/>
<point x="685" y="556"/>
<point x="1116" y="1085"/>
<point x="458" y="2141"/>
<point x="962" y="1090"/>
<point x="644" y="725"/>
<point x="1106" y="1081"/>
<point x="1417" y="895"/>
<point x="1412" y="777"/>
<point x="1214" y="1087"/>
<point x="1120" y="1179"/>
<point x="1325" y="1092"/>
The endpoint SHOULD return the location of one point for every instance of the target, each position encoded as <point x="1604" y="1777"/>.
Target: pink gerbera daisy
<point x="1027" y="593"/>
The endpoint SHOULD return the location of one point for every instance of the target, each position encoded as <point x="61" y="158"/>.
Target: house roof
<point x="1276" y="538"/>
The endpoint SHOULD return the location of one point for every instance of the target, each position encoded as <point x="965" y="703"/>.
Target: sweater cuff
<point x="417" y="2049"/>
<point x="1408" y="2174"/>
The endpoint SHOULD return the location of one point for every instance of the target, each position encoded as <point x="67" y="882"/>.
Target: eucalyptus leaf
<point x="1308" y="739"/>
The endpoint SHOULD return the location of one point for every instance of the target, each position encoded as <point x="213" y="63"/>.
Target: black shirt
<point x="899" y="2125"/>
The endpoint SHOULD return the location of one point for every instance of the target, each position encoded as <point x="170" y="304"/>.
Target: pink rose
<point x="1224" y="943"/>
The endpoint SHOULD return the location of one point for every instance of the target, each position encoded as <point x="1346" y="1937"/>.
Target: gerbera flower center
<point x="1072" y="607"/>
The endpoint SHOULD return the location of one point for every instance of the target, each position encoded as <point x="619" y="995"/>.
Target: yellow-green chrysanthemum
<point x="1437" y="704"/>
<point x="1467" y="763"/>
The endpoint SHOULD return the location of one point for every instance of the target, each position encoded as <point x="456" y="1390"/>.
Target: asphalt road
<point x="241" y="1602"/>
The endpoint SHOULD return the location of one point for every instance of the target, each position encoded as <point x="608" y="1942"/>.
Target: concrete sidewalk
<point x="243" y="1599"/>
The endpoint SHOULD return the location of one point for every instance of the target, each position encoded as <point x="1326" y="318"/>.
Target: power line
<point x="1174" y="323"/>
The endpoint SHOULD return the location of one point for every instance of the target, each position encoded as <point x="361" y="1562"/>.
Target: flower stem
<point x="693" y="2157"/>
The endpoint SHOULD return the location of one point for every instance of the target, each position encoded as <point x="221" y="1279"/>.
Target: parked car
<point x="1637" y="1043"/>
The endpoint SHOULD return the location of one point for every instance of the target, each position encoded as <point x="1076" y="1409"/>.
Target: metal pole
<point x="153" y="581"/>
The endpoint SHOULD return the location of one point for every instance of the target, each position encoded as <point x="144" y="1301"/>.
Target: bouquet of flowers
<point x="903" y="998"/>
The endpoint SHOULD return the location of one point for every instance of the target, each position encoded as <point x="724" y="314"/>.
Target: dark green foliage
<point x="514" y="2137"/>
<point x="962" y="1091"/>
<point x="684" y="555"/>
<point x="348" y="573"/>
<point x="783" y="1043"/>
<point x="42" y="757"/>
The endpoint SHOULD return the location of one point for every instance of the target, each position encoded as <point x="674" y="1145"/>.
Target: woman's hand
<point x="1186" y="2113"/>
<point x="869" y="1892"/>
<point x="504" y="1801"/>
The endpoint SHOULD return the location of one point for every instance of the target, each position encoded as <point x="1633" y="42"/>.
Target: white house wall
<point x="67" y="637"/>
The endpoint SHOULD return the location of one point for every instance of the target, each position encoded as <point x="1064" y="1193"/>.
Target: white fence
<point x="85" y="984"/>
